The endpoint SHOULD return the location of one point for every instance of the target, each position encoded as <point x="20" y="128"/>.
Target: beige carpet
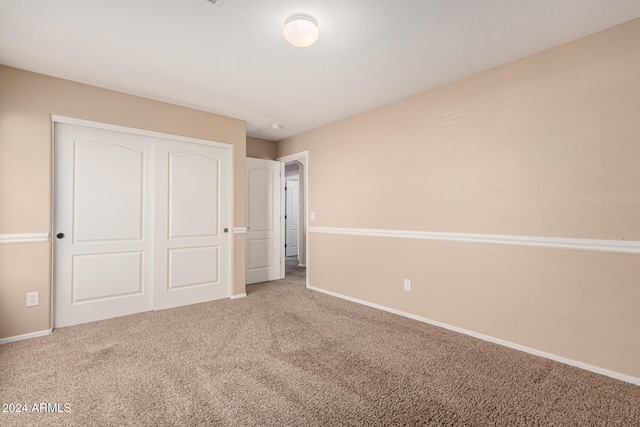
<point x="289" y="356"/>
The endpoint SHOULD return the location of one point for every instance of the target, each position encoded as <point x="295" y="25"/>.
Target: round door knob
<point x="226" y="230"/>
<point x="60" y="235"/>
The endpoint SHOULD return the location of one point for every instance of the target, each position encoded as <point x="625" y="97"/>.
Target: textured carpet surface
<point x="286" y="355"/>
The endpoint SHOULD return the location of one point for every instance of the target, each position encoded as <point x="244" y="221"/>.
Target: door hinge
<point x="285" y="245"/>
<point x="285" y="188"/>
<point x="285" y="217"/>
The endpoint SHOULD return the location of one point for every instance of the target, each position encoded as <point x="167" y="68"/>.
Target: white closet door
<point x="102" y="205"/>
<point x="192" y="223"/>
<point x="263" y="221"/>
<point x="292" y="219"/>
<point x="143" y="223"/>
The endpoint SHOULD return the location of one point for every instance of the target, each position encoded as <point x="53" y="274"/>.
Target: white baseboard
<point x="238" y="296"/>
<point x="25" y="336"/>
<point x="585" y="366"/>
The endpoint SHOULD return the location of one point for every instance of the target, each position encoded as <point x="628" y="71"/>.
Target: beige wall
<point x="27" y="101"/>
<point x="546" y="146"/>
<point x="262" y="148"/>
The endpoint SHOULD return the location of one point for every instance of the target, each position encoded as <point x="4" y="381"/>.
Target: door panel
<point x="259" y="253"/>
<point x="190" y="242"/>
<point x="260" y="209"/>
<point x="107" y="209"/>
<point x="263" y="221"/>
<point x="102" y="276"/>
<point x="103" y="263"/>
<point x="193" y="194"/>
<point x="194" y="266"/>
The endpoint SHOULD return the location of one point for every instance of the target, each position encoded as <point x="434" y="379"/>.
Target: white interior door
<point x="292" y="218"/>
<point x="192" y="224"/>
<point x="263" y="221"/>
<point x="104" y="232"/>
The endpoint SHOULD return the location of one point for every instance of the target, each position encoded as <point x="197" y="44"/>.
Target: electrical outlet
<point x="313" y="216"/>
<point x="407" y="285"/>
<point x="33" y="299"/>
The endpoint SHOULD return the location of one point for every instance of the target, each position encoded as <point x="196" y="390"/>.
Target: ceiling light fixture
<point x="275" y="126"/>
<point x="301" y="30"/>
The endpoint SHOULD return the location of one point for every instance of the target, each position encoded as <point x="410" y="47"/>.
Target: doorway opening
<point x="276" y="242"/>
<point x="294" y="265"/>
<point x="294" y="217"/>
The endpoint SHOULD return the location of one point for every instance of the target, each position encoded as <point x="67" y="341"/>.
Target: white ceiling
<point x="232" y="59"/>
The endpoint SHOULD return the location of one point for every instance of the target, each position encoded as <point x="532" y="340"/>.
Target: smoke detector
<point x="216" y="2"/>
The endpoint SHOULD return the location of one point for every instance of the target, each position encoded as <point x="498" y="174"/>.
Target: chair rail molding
<point x="24" y="238"/>
<point x="617" y="246"/>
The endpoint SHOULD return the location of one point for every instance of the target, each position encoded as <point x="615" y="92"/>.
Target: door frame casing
<point x="305" y="174"/>
<point x="56" y="119"/>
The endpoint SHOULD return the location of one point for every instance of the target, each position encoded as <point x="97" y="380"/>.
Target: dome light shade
<point x="301" y="30"/>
